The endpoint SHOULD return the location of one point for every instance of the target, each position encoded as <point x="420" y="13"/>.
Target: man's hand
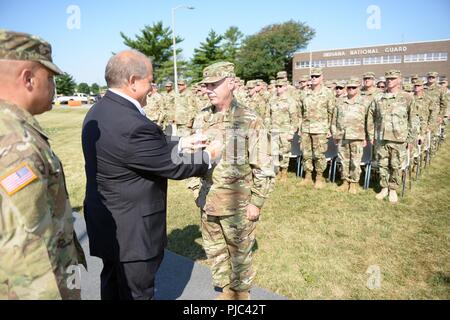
<point x="215" y="149"/>
<point x="337" y="141"/>
<point x="364" y="143"/>
<point x="194" y="142"/>
<point x="329" y="135"/>
<point x="290" y="137"/>
<point x="253" y="212"/>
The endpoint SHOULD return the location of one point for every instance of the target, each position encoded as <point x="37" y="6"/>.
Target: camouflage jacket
<point x="316" y="111"/>
<point x="350" y="119"/>
<point x="283" y="114"/>
<point x="372" y="93"/>
<point x="258" y="103"/>
<point x="169" y="104"/>
<point x="155" y="108"/>
<point x="425" y="114"/>
<point x="37" y="239"/>
<point x="391" y="117"/>
<point x="439" y="97"/>
<point x="244" y="174"/>
<point x="185" y="108"/>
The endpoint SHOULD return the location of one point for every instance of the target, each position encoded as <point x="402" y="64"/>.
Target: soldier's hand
<point x="329" y="135"/>
<point x="364" y="143"/>
<point x="337" y="141"/>
<point x="215" y="149"/>
<point x="253" y="212"/>
<point x="290" y="137"/>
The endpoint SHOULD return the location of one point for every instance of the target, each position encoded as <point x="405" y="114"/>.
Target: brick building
<point x="410" y="58"/>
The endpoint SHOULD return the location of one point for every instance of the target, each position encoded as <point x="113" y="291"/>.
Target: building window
<point x="314" y="64"/>
<point x="382" y="60"/>
<point x="426" y="57"/>
<point x="343" y="63"/>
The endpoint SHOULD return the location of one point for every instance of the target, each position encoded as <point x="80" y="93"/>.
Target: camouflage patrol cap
<point x="382" y="79"/>
<point x="259" y="82"/>
<point x="169" y="84"/>
<point x="418" y="82"/>
<point x="251" y="84"/>
<point x="353" y="82"/>
<point x="24" y="46"/>
<point x="408" y="87"/>
<point x="282" y="82"/>
<point x="414" y="76"/>
<point x="273" y="81"/>
<point x="328" y="84"/>
<point x="304" y="78"/>
<point x="433" y="74"/>
<point x="341" y="84"/>
<point x="443" y="79"/>
<point x="282" y="75"/>
<point x="369" y="75"/>
<point x="393" y="74"/>
<point x="218" y="71"/>
<point x="182" y="82"/>
<point x="316" y="71"/>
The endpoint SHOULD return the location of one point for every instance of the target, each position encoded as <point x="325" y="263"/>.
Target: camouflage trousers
<point x="228" y="242"/>
<point x="281" y="149"/>
<point x="350" y="152"/>
<point x="313" y="149"/>
<point x="391" y="157"/>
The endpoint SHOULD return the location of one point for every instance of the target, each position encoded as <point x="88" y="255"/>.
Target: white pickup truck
<point x="84" y="98"/>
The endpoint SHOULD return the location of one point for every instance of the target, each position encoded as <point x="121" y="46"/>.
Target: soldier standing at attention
<point x="282" y="120"/>
<point x="39" y="250"/>
<point x="369" y="90"/>
<point x="316" y="112"/>
<point x="232" y="194"/>
<point x="391" y="116"/>
<point x="155" y="108"/>
<point x="351" y="134"/>
<point x="440" y="101"/>
<point x="185" y="109"/>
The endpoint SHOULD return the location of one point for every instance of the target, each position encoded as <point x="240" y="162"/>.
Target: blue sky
<point x="84" y="52"/>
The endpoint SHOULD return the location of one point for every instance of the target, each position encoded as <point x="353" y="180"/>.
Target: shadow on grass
<point x="183" y="242"/>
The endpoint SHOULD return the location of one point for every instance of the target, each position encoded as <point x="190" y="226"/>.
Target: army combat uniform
<point x="185" y="112"/>
<point x="155" y="108"/>
<point x="244" y="175"/>
<point x="39" y="251"/>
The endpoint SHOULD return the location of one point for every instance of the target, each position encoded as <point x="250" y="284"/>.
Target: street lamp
<point x="175" y="72"/>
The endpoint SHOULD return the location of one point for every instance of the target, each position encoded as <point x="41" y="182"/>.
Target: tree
<point x="95" y="88"/>
<point x="156" y="43"/>
<point x="209" y="52"/>
<point x="271" y="50"/>
<point x="231" y="43"/>
<point x="84" y="88"/>
<point x="65" y="84"/>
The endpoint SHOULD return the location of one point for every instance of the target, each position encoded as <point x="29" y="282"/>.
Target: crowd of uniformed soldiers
<point x="390" y="117"/>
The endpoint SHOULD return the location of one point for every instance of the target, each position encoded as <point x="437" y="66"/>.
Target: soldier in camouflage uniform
<point x="282" y="120"/>
<point x="155" y="107"/>
<point x="39" y="250"/>
<point x="316" y="112"/>
<point x="185" y="109"/>
<point x="424" y="115"/>
<point x="169" y="104"/>
<point x="381" y="85"/>
<point x="408" y="88"/>
<point x="369" y="90"/>
<point x="340" y="92"/>
<point x="233" y="193"/>
<point x="393" y="123"/>
<point x="351" y="134"/>
<point x="440" y="101"/>
<point x="202" y="97"/>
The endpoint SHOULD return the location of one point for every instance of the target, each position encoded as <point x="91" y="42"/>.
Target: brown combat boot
<point x="343" y="187"/>
<point x="307" y="181"/>
<point x="354" y="188"/>
<point x="320" y="182"/>
<point x="383" y="194"/>
<point x="242" y="295"/>
<point x="227" y="294"/>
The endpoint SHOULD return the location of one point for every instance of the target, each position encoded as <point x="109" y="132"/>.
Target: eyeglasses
<point x="278" y="86"/>
<point x="339" y="88"/>
<point x="315" y="76"/>
<point x="351" y="88"/>
<point x="381" y="87"/>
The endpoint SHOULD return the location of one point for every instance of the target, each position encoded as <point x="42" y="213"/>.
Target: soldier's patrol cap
<point x="414" y="76"/>
<point x="259" y="82"/>
<point x="316" y="71"/>
<point x="273" y="81"/>
<point x="282" y="82"/>
<point x="382" y="79"/>
<point x="393" y="74"/>
<point x="341" y="84"/>
<point x="369" y="75"/>
<point x="408" y="87"/>
<point x="251" y="84"/>
<point x="182" y="82"/>
<point x="282" y="75"/>
<point x="443" y="79"/>
<point x="353" y="82"/>
<point x="433" y="74"/>
<point x="24" y="46"/>
<point x="169" y="84"/>
<point x="304" y="79"/>
<point x="218" y="71"/>
<point x="418" y="82"/>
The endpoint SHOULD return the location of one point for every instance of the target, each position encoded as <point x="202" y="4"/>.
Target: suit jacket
<point x="128" y="160"/>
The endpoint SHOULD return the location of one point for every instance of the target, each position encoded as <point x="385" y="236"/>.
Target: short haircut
<point x="124" y="65"/>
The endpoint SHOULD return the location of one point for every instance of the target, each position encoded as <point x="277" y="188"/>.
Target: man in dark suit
<point x="128" y="161"/>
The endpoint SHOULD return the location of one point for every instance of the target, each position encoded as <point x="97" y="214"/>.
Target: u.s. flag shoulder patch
<point x="17" y="179"/>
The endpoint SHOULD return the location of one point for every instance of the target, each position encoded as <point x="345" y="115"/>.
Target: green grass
<point x="316" y="244"/>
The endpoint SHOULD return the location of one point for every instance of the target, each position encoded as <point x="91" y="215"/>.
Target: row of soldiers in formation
<point x="386" y="114"/>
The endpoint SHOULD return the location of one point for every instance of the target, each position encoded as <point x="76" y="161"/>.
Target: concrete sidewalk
<point x="178" y="278"/>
